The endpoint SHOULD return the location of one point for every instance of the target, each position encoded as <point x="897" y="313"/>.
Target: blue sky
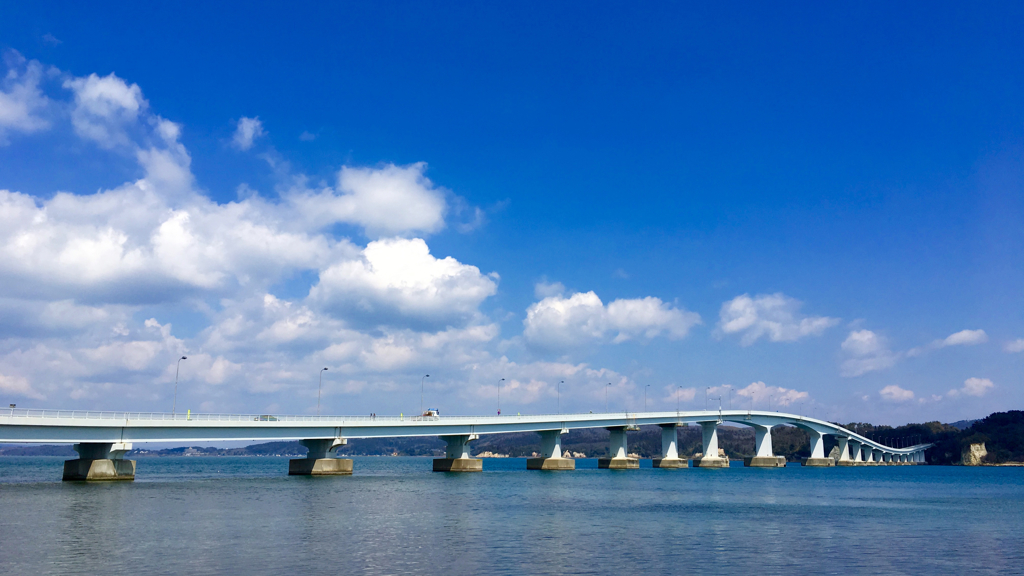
<point x="818" y="204"/>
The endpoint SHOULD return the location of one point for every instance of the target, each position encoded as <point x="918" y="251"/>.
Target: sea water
<point x="242" y="515"/>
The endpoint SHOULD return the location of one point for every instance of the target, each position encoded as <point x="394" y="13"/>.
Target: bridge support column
<point x="710" y="457"/>
<point x="764" y="457"/>
<point x="457" y="457"/>
<point x="318" y="462"/>
<point x="551" y="450"/>
<point x="871" y="458"/>
<point x="844" y="452"/>
<point x="619" y="454"/>
<point x="669" y="449"/>
<point x="818" y="458"/>
<point x="100" y="461"/>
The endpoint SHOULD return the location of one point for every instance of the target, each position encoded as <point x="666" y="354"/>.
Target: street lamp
<point x="645" y="396"/>
<point x="606" y="397"/>
<point x="769" y="402"/>
<point x="706" y="391"/>
<point x="425" y="376"/>
<point x="320" y="389"/>
<point x="679" y="392"/>
<point x="558" y="389"/>
<point x="499" y="395"/>
<point x="174" y="404"/>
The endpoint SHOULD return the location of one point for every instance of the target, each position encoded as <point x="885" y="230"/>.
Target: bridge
<point x="103" y="438"/>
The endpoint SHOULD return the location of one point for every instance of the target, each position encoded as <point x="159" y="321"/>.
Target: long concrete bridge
<point x="103" y="438"/>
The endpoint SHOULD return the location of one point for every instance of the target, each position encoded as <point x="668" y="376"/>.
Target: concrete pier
<point x="765" y="462"/>
<point x="670" y="463"/>
<point x="818" y="462"/>
<point x="320" y="467"/>
<point x="550" y="464"/>
<point x="710" y="457"/>
<point x="317" y="461"/>
<point x="551" y="453"/>
<point x="764" y="457"/>
<point x="100" y="462"/>
<point x="457" y="455"/>
<point x="669" y="449"/>
<point x="619" y="454"/>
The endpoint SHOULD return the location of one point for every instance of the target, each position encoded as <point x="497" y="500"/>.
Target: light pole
<point x="425" y="376"/>
<point x="679" y="392"/>
<point x="558" y="389"/>
<point x="645" y="396"/>
<point x="606" y="397"/>
<point x="769" y="402"/>
<point x="174" y="404"/>
<point x="320" y="389"/>
<point x="499" y="395"/>
<point x="706" y="391"/>
<point x="730" y="397"/>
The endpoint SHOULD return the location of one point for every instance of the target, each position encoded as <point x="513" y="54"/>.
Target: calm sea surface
<point x="221" y="515"/>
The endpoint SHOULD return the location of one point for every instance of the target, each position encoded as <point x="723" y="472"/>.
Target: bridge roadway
<point x="103" y="438"/>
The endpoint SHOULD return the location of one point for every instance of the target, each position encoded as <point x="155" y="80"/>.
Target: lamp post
<point x="679" y="392"/>
<point x="707" y="390"/>
<point x="174" y="404"/>
<point x="425" y="376"/>
<point x="606" y="397"/>
<point x="645" y="396"/>
<point x="499" y="395"/>
<point x="319" y="390"/>
<point x="558" y="389"/>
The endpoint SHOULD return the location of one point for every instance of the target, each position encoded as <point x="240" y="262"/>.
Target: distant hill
<point x="963" y="424"/>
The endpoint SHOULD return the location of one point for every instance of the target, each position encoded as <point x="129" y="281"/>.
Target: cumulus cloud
<point x="387" y="201"/>
<point x="545" y="289"/>
<point x="560" y="323"/>
<point x="1015" y="346"/>
<point x="961" y="338"/>
<point x="973" y="387"/>
<point x="22" y="102"/>
<point x="894" y="393"/>
<point x="396" y="281"/>
<point x="105" y="108"/>
<point x="774" y="316"/>
<point x="867" y="352"/>
<point x="247" y="131"/>
<point x="267" y="290"/>
<point x="759" y="393"/>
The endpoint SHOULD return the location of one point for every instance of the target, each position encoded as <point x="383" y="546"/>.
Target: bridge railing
<point x="192" y="417"/>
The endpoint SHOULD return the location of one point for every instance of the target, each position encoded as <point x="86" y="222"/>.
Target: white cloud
<point x="105" y="108"/>
<point x="248" y="130"/>
<point x="966" y="338"/>
<point x="307" y="136"/>
<point x="387" y="201"/>
<point x="973" y="387"/>
<point x="961" y="338"/>
<point x="18" y="386"/>
<point x="558" y="323"/>
<point x="772" y="315"/>
<point x="894" y="393"/>
<point x="867" y="352"/>
<point x="543" y="290"/>
<point x="21" y="100"/>
<point x="398" y="281"/>
<point x="759" y="394"/>
<point x="1015" y="346"/>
